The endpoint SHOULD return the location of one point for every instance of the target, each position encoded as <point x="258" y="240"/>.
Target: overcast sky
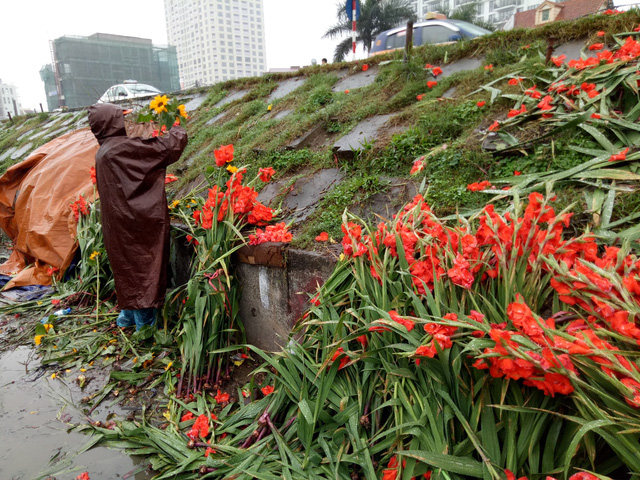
<point x="293" y="31"/>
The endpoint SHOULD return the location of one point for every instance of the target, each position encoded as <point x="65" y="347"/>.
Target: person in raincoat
<point x="130" y="176"/>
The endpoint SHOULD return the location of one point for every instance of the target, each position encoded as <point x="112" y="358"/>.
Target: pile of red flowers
<point x="603" y="289"/>
<point x="80" y="207"/>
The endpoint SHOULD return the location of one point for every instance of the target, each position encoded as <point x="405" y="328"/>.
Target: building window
<point x="544" y="15"/>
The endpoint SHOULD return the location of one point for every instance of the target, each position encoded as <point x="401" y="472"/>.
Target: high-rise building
<point x="497" y="12"/>
<point x="8" y="101"/>
<point x="83" y="68"/>
<point x="216" y="40"/>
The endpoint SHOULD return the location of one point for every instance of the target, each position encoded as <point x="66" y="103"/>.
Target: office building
<point x="9" y="104"/>
<point x="497" y="12"/>
<point x="216" y="40"/>
<point x="83" y="68"/>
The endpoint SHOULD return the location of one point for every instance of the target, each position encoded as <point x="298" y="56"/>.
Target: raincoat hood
<point x="106" y="120"/>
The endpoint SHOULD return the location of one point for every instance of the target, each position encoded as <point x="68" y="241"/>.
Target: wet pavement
<point x="35" y="414"/>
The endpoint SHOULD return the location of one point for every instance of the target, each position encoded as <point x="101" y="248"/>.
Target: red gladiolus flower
<point x="346" y="91"/>
<point x="436" y="71"/>
<point x="363" y="340"/>
<point x="170" y="177"/>
<point x="460" y="274"/>
<point x="408" y="324"/>
<point x="266" y="174"/>
<point x="187" y="416"/>
<point x="478" y="186"/>
<point x="155" y="133"/>
<point x="223" y="155"/>
<point x="513" y="81"/>
<point x="379" y="328"/>
<point x="418" y="165"/>
<point x="420" y="96"/>
<point x="481" y="104"/>
<point x="619" y="156"/>
<point x="92" y="171"/>
<point x="494" y="126"/>
<point x="200" y="428"/>
<point x="323" y="237"/>
<point x="514" y="113"/>
<point x="273" y="233"/>
<point x="221" y="397"/>
<point x="583" y="476"/>
<point x="517" y="173"/>
<point x="209" y="451"/>
<point x="426" y="351"/>
<point x="431" y="83"/>
<point x="83" y="476"/>
<point x="600" y="33"/>
<point x="268" y="390"/>
<point x="55" y="301"/>
<point x="596" y="46"/>
<point x="343" y="361"/>
<point x="558" y="61"/>
<point x="365" y="67"/>
<point x="489" y="68"/>
<point x="526" y="47"/>
<point x="596" y="116"/>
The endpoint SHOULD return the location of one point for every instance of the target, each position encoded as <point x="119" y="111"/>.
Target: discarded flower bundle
<point x="595" y="95"/>
<point x="209" y="309"/>
<point x="462" y="304"/>
<point x="91" y="277"/>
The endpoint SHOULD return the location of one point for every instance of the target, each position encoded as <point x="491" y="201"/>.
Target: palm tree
<point x="468" y="13"/>
<point x="376" y="16"/>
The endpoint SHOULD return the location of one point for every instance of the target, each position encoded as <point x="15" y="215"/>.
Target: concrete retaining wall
<point x="276" y="283"/>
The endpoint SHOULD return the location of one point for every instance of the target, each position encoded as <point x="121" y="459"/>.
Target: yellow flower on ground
<point x="167" y="414"/>
<point x="174" y="204"/>
<point x="168" y="366"/>
<point x="182" y="111"/>
<point x="269" y="108"/>
<point x="94" y="255"/>
<point x="342" y="257"/>
<point x="53" y="376"/>
<point x="232" y="169"/>
<point x="159" y="104"/>
<point x="38" y="339"/>
<point x="83" y="369"/>
<point x="47" y="326"/>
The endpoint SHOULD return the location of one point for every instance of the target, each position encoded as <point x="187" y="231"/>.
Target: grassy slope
<point x="428" y="124"/>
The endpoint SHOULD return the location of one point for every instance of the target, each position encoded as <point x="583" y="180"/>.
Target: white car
<point x="128" y="90"/>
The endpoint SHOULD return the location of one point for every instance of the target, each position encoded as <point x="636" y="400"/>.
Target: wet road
<point x="35" y="413"/>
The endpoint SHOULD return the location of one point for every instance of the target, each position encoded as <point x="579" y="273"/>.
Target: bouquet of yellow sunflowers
<point x="164" y="112"/>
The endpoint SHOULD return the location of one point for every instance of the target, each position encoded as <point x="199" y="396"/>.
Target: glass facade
<point x="87" y="66"/>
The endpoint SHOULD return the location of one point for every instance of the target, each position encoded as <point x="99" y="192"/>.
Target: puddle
<point x="33" y="428"/>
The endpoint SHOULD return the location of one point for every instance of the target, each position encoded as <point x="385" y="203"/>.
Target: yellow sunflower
<point x="182" y="111"/>
<point x="159" y="104"/>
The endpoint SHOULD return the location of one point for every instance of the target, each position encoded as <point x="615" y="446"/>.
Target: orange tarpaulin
<point x="35" y="199"/>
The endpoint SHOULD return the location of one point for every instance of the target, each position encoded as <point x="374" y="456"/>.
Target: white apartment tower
<point x="8" y="101"/>
<point x="216" y="40"/>
<point x="497" y="12"/>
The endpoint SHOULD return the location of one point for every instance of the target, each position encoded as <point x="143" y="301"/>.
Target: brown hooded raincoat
<point x="130" y="175"/>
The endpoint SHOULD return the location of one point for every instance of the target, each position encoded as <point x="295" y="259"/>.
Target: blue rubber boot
<point x="145" y="316"/>
<point x="126" y="319"/>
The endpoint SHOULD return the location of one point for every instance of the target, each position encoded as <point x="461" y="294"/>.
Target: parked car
<point x="127" y="90"/>
<point x="437" y="31"/>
